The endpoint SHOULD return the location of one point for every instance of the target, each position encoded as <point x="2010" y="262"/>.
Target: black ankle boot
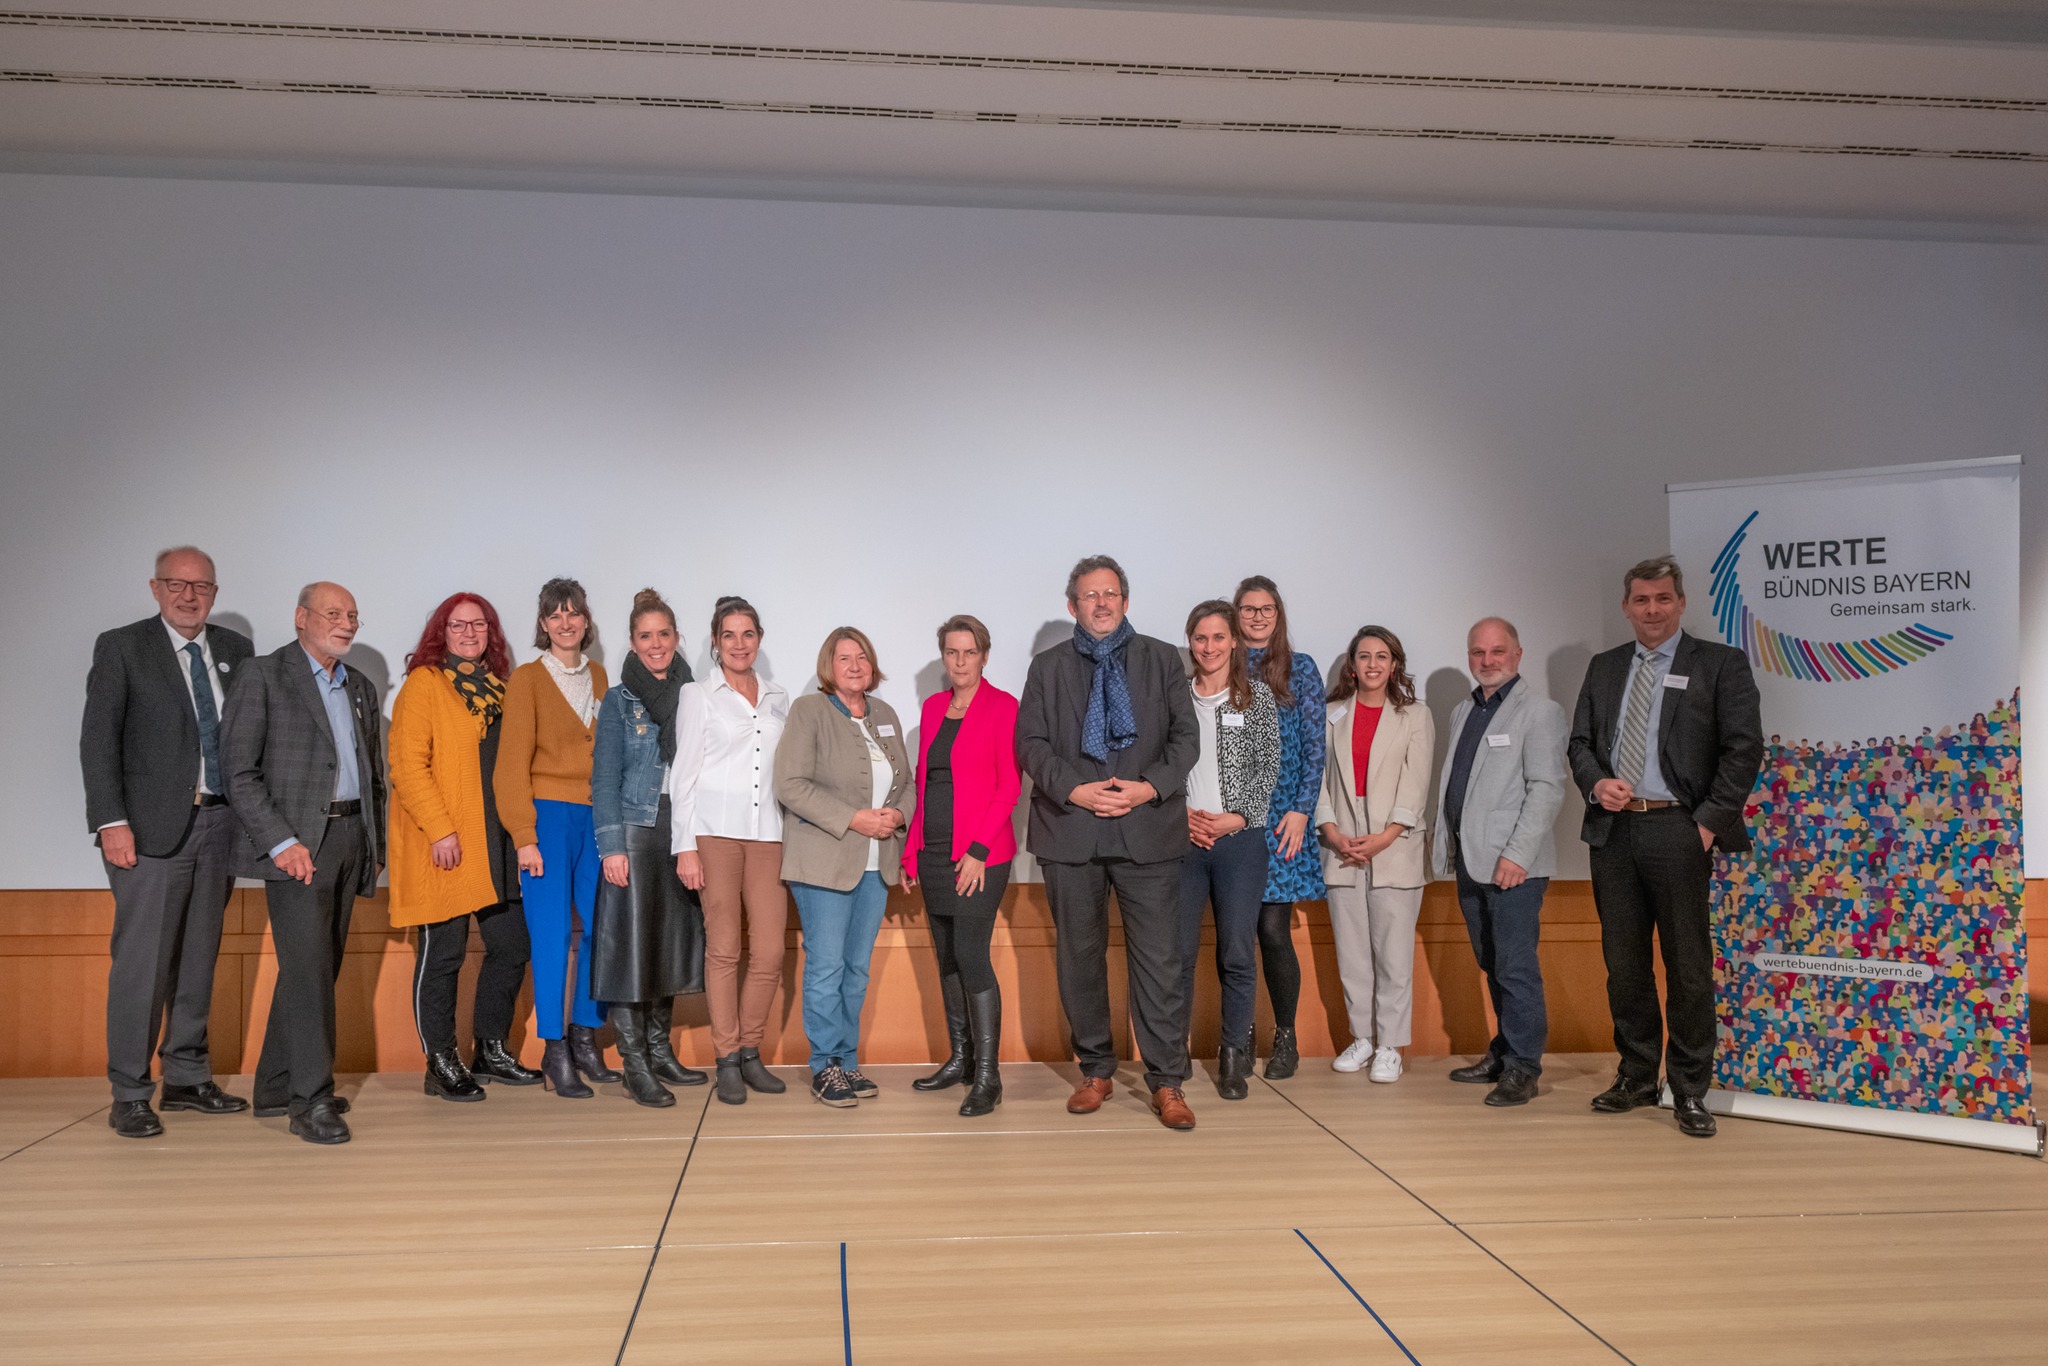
<point x="630" y="1023"/>
<point x="449" y="1079"/>
<point x="985" y="1024"/>
<point x="1233" y="1067"/>
<point x="756" y="1074"/>
<point x="954" y="1069"/>
<point x="732" y="1087"/>
<point x="1285" y="1057"/>
<point x="661" y="1049"/>
<point x="492" y="1061"/>
<point x="588" y="1054"/>
<point x="558" y="1073"/>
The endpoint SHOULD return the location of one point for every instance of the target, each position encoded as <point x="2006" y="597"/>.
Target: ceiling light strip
<point x="1104" y="121"/>
<point x="1062" y="65"/>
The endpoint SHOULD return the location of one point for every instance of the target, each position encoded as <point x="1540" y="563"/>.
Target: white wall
<point x="884" y="415"/>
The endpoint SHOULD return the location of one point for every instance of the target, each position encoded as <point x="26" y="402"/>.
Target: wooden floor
<point x="1325" y="1219"/>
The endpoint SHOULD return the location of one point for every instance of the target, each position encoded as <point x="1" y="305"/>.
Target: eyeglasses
<point x="334" y="618"/>
<point x="1266" y="611"/>
<point x="177" y="588"/>
<point x="1096" y="595"/>
<point x="467" y="627"/>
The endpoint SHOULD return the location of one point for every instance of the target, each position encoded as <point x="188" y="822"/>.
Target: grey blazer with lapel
<point x="1049" y="721"/>
<point x="1513" y="792"/>
<point x="1710" y="736"/>
<point x="139" y="743"/>
<point x="278" y="753"/>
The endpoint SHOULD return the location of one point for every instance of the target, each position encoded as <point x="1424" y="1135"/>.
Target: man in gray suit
<point x="1499" y="801"/>
<point x="156" y="801"/>
<point x="304" y="748"/>
<point x="1106" y="729"/>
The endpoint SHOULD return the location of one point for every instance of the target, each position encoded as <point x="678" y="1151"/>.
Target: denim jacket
<point x="625" y="769"/>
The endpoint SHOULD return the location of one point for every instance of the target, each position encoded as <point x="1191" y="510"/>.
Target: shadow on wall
<point x="1564" y="672"/>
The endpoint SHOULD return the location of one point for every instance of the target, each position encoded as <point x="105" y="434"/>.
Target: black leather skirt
<point x="649" y="940"/>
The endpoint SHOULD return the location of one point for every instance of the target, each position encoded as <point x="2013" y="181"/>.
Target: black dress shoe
<point x="1515" y="1087"/>
<point x="449" y="1079"/>
<point x="206" y="1098"/>
<point x="134" y="1119"/>
<point x="321" y="1122"/>
<point x="271" y="1110"/>
<point x="1626" y="1094"/>
<point x="1694" y="1119"/>
<point x="492" y="1061"/>
<point x="1486" y="1071"/>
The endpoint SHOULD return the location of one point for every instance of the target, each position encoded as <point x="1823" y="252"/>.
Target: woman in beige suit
<point x="1375" y="853"/>
<point x="843" y="775"/>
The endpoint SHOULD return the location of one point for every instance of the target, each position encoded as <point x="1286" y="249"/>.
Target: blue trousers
<point x="839" y="938"/>
<point x="565" y="890"/>
<point x="1231" y="878"/>
<point x="1505" y="925"/>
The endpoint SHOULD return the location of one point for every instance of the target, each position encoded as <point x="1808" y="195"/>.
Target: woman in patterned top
<point x="1293" y="870"/>
<point x="1228" y="792"/>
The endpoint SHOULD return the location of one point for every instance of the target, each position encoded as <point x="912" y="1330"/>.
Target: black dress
<point x="498" y="845"/>
<point x="934" y="860"/>
<point x="649" y="941"/>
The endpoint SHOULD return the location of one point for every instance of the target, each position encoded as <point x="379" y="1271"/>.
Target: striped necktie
<point x="1631" y="756"/>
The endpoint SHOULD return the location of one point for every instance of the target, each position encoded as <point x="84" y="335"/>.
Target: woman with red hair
<point x="450" y="856"/>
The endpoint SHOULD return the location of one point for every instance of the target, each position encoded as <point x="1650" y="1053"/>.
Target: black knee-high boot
<point x="985" y="1023"/>
<point x="954" y="1069"/>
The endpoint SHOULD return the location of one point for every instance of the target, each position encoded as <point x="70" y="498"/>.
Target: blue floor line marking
<point x="1354" y="1295"/>
<point x="846" y="1308"/>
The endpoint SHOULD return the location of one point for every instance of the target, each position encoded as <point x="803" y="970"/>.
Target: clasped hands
<point x="1357" y="853"/>
<point x="1113" y="796"/>
<point x="1614" y="793"/>
<point x="1206" y="827"/>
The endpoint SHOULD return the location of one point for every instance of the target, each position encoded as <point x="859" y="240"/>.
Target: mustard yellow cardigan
<point x="437" y="785"/>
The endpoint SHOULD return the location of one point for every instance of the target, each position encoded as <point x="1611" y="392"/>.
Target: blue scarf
<point x="1110" y="723"/>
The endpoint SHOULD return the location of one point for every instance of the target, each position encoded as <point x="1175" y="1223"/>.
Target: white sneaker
<point x="1386" y="1065"/>
<point x="1354" y="1057"/>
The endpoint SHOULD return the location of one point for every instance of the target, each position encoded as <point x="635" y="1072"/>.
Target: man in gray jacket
<point x="1499" y="801"/>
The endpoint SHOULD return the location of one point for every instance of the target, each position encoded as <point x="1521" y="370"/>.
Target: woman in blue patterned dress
<point x="1293" y="869"/>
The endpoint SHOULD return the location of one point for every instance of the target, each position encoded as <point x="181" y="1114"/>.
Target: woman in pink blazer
<point x="959" y="848"/>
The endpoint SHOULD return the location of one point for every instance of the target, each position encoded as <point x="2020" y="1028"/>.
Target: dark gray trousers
<point x="1652" y="881"/>
<point x="167" y="923"/>
<point x="308" y="927"/>
<point x="1148" y="901"/>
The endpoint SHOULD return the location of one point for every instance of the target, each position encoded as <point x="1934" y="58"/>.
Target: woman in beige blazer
<point x="1375" y="851"/>
<point x="846" y="780"/>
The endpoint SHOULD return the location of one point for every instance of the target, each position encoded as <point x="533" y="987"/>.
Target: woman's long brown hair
<point x="1400" y="686"/>
<point x="1277" y="668"/>
<point x="1239" y="675"/>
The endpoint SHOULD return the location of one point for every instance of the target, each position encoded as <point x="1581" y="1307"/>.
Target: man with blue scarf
<point x="1106" y="729"/>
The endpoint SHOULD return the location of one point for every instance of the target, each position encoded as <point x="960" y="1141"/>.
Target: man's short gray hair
<point x="1093" y="564"/>
<point x="306" y="594"/>
<point x="1502" y="622"/>
<point x="1652" y="570"/>
<point x="163" y="555"/>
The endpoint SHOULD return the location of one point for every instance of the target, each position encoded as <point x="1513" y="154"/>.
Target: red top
<point x="1365" y="723"/>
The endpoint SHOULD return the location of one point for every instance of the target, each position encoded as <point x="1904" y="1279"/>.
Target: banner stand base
<point x="2027" y="1139"/>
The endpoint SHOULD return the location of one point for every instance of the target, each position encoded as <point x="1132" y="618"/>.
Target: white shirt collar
<point x="1665" y="651"/>
<point x="178" y="641"/>
<point x="556" y="666"/>
<point x="719" y="680"/>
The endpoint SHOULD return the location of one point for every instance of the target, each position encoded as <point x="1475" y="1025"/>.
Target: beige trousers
<point x="1375" y="932"/>
<point x="742" y="885"/>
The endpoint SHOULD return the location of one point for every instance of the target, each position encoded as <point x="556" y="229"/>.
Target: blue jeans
<point x="1505" y="926"/>
<point x="1232" y="878"/>
<point x="566" y="889"/>
<point x="839" y="938"/>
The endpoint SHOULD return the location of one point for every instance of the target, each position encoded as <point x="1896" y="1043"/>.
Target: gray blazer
<point x="139" y="743"/>
<point x="822" y="777"/>
<point x="1049" y="718"/>
<point x="1513" y="793"/>
<point x="278" y="753"/>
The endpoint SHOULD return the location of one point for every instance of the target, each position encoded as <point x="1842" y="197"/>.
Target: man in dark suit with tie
<point x="156" y="801"/>
<point x="303" y="742"/>
<point x="1106" y="729"/>
<point x="1666" y="744"/>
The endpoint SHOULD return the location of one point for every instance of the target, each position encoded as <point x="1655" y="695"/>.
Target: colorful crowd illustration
<point x="1903" y="849"/>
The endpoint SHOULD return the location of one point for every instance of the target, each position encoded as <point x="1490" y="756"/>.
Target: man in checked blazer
<point x="1666" y="743"/>
<point x="157" y="804"/>
<point x="304" y="747"/>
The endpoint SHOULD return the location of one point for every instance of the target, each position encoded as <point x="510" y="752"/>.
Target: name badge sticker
<point x="1677" y="682"/>
<point x="1232" y="720"/>
<point x="222" y="666"/>
<point x="1498" y="741"/>
<point x="885" y="729"/>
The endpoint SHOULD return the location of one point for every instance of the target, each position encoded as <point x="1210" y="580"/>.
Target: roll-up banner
<point x="1870" y="952"/>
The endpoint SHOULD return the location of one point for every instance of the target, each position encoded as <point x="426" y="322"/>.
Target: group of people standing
<point x="675" y="819"/>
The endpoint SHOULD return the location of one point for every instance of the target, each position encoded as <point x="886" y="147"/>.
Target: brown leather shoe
<point x="1089" y="1095"/>
<point x="1172" y="1108"/>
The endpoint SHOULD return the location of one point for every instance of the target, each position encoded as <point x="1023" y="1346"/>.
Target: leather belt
<point x="1645" y="804"/>
<point x="337" y="810"/>
<point x="209" y="799"/>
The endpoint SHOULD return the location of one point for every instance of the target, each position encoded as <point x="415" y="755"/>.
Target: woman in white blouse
<point x="727" y="831"/>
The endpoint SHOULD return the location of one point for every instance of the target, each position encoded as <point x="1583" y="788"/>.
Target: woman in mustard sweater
<point x="543" y="787"/>
<point x="450" y="856"/>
